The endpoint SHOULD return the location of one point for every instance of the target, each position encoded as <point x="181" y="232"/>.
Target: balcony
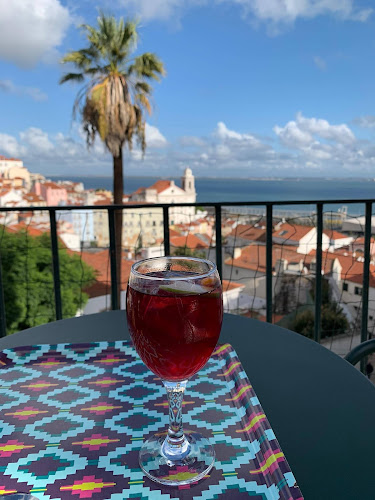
<point x="280" y="261"/>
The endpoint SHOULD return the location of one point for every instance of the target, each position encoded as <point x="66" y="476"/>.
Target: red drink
<point x="175" y="331"/>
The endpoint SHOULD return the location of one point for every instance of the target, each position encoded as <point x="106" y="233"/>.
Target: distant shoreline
<point x="256" y="179"/>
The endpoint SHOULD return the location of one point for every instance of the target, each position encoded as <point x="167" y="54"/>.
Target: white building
<point x="304" y="238"/>
<point x="337" y="240"/>
<point x="166" y="191"/>
<point x="6" y="163"/>
<point x="10" y="196"/>
<point x="12" y="168"/>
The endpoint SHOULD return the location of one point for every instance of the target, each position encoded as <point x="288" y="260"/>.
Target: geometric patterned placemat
<point x="73" y="418"/>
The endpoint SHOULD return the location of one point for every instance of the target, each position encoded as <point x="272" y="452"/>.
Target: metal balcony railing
<point x="218" y="208"/>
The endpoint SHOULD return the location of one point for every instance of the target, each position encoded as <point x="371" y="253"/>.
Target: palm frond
<point x="147" y="65"/>
<point x="129" y="36"/>
<point x="143" y="87"/>
<point x="69" y="77"/>
<point x="81" y="59"/>
<point x="144" y="102"/>
<point x="141" y="128"/>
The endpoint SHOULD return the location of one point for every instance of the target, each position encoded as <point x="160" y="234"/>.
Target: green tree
<point x="334" y="321"/>
<point x="28" y="280"/>
<point x="326" y="291"/>
<point x="116" y="96"/>
<point x="304" y="323"/>
<point x="188" y="252"/>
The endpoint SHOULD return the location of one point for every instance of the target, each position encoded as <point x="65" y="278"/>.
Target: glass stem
<point x="175" y="446"/>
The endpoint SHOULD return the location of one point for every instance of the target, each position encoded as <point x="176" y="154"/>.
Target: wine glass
<point x="175" y="311"/>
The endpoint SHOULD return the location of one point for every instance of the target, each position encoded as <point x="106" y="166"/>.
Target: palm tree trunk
<point x="118" y="191"/>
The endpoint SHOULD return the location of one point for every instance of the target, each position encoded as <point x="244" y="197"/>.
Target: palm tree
<point x="116" y="96"/>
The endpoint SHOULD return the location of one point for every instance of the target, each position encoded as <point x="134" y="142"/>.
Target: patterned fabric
<point x="73" y="418"/>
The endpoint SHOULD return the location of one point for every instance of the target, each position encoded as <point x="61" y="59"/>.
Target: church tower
<point x="188" y="181"/>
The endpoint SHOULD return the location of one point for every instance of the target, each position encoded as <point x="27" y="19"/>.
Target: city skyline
<point x="252" y="89"/>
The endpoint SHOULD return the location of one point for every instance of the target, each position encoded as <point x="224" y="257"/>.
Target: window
<point x="153" y="223"/>
<point x="282" y="233"/>
<point x="236" y="271"/>
<point x="371" y="318"/>
<point x="357" y="290"/>
<point x="345" y="287"/>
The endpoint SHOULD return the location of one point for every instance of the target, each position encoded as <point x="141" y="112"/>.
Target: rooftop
<point x="189" y="241"/>
<point x="291" y="232"/>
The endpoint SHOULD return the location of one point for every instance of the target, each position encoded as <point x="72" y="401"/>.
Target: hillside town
<point x="85" y="232"/>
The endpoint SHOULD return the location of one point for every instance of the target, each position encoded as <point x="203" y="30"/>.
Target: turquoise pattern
<point x="74" y="416"/>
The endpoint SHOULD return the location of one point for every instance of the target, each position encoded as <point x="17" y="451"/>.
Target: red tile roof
<point x="4" y="158"/>
<point x="100" y="261"/>
<point x="352" y="270"/>
<point x="52" y="185"/>
<point x="248" y="232"/>
<point x="291" y="232"/>
<point x="230" y="285"/>
<point x="173" y="233"/>
<point x="160" y="185"/>
<point x="190" y="241"/>
<point x="254" y="257"/>
<point x="361" y="241"/>
<point x="140" y="190"/>
<point x="103" y="202"/>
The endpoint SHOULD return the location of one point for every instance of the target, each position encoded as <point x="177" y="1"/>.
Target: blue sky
<point x="263" y="88"/>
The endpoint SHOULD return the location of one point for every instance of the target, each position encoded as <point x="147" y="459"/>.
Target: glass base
<point x="190" y="469"/>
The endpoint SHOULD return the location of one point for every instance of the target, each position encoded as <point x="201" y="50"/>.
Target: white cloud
<point x="285" y="12"/>
<point x="304" y="132"/>
<point x="36" y="140"/>
<point x="31" y="30"/>
<point x="314" y="147"/>
<point x="224" y="134"/>
<point x="320" y="63"/>
<point x="35" y="93"/>
<point x="292" y="136"/>
<point x="275" y="13"/>
<point x="367" y="121"/>
<point x="58" y="153"/>
<point x="154" y="138"/>
<point x="10" y="146"/>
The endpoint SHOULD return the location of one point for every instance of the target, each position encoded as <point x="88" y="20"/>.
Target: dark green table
<point x="320" y="407"/>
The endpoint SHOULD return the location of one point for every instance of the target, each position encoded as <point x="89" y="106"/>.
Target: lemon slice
<point x="184" y="288"/>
